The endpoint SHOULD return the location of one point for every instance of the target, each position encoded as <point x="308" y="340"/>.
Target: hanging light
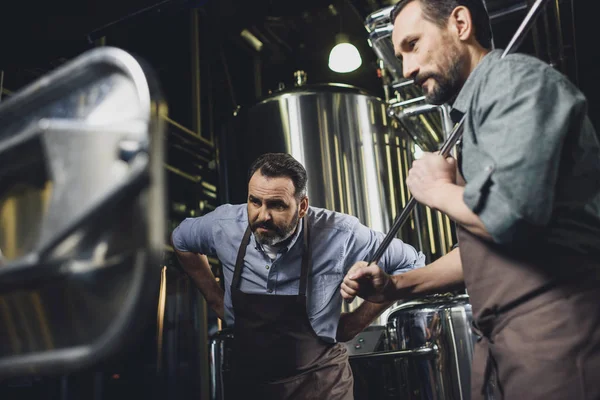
<point x="344" y="56"/>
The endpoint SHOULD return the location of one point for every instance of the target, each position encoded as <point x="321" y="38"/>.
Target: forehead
<point x="409" y="21"/>
<point x="265" y="186"/>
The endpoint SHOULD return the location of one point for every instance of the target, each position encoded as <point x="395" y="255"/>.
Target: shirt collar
<point x="463" y="99"/>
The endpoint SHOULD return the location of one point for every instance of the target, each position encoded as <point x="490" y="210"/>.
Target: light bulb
<point x="344" y="57"/>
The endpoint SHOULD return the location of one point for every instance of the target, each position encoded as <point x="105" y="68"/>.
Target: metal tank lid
<point x="315" y="88"/>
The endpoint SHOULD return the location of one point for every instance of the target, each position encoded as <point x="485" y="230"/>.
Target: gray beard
<point x="279" y="235"/>
<point x="447" y="86"/>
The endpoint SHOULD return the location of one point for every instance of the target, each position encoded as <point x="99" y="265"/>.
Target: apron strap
<point x="306" y="258"/>
<point x="239" y="262"/>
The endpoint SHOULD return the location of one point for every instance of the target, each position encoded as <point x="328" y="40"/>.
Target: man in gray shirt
<point x="283" y="263"/>
<point x="526" y="199"/>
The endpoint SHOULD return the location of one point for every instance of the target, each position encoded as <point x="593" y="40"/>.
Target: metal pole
<point x="202" y="356"/>
<point x="195" y="56"/>
<point x="456" y="133"/>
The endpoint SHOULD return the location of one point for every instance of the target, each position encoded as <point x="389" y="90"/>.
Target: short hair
<point x="438" y="12"/>
<point x="281" y="164"/>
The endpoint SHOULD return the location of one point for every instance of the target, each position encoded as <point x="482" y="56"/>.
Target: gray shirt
<point x="337" y="241"/>
<point x="531" y="158"/>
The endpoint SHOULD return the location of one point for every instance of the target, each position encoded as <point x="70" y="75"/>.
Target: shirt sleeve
<point x="399" y="257"/>
<point x="522" y="117"/>
<point x="196" y="234"/>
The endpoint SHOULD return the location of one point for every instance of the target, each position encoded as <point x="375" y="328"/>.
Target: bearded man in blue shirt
<point x="283" y="263"/>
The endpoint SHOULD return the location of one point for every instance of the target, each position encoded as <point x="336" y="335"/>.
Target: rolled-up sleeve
<point x="196" y="234"/>
<point x="521" y="127"/>
<point x="399" y="257"/>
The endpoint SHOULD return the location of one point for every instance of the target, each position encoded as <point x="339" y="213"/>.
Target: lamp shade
<point x="344" y="57"/>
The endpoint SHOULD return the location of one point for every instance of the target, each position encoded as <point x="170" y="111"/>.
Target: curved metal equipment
<point x="81" y="213"/>
<point x="427" y="353"/>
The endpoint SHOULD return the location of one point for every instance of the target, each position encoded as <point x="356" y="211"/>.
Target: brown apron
<point x="276" y="353"/>
<point x="538" y="322"/>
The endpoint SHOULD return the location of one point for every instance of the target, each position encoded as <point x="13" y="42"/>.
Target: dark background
<point x="36" y="37"/>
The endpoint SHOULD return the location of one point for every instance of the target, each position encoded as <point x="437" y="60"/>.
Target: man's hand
<point x="368" y="282"/>
<point x="429" y="175"/>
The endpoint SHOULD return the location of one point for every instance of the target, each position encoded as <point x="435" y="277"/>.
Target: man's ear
<point x="303" y="207"/>
<point x="462" y="23"/>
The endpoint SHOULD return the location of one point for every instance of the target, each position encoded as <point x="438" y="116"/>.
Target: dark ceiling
<point x="297" y="35"/>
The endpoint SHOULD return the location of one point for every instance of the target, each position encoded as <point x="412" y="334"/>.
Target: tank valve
<point x="299" y="78"/>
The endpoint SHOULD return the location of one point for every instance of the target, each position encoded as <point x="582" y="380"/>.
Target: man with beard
<point x="283" y="263"/>
<point x="526" y="200"/>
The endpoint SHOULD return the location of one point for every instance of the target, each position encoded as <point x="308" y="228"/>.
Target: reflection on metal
<point x="160" y="318"/>
<point x="81" y="177"/>
<point x="300" y="78"/>
<point x="426" y="354"/>
<point x="22" y="209"/>
<point x="193" y="178"/>
<point x="220" y="346"/>
<point x="187" y="131"/>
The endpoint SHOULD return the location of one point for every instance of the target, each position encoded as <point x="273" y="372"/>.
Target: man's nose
<point x="409" y="68"/>
<point x="264" y="214"/>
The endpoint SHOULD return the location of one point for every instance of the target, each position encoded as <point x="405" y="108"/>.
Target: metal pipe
<point x="508" y="11"/>
<point x="416" y="110"/>
<point x="404" y="104"/>
<point x="574" y="45"/>
<point x="402" y="84"/>
<point x="195" y="67"/>
<point x="559" y="37"/>
<point x="424" y="351"/>
<point x="456" y="133"/>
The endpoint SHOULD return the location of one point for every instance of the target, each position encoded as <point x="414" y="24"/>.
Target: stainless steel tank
<point x="427" y="353"/>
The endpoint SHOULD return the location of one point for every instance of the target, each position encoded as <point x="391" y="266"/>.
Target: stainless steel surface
<point x="428" y="353"/>
<point x="426" y="130"/>
<point x="81" y="205"/>
<point x="220" y="358"/>
<point x="300" y="78"/>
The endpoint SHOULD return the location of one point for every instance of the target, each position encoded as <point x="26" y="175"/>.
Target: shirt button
<point x="267" y="267"/>
<point x="270" y="291"/>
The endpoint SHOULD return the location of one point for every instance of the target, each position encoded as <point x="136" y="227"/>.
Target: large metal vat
<point x="426" y="354"/>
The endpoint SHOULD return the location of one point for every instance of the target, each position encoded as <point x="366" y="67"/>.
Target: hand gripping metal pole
<point x="457" y="131"/>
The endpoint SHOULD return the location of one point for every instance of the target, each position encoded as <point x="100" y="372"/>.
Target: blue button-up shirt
<point x="337" y="240"/>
